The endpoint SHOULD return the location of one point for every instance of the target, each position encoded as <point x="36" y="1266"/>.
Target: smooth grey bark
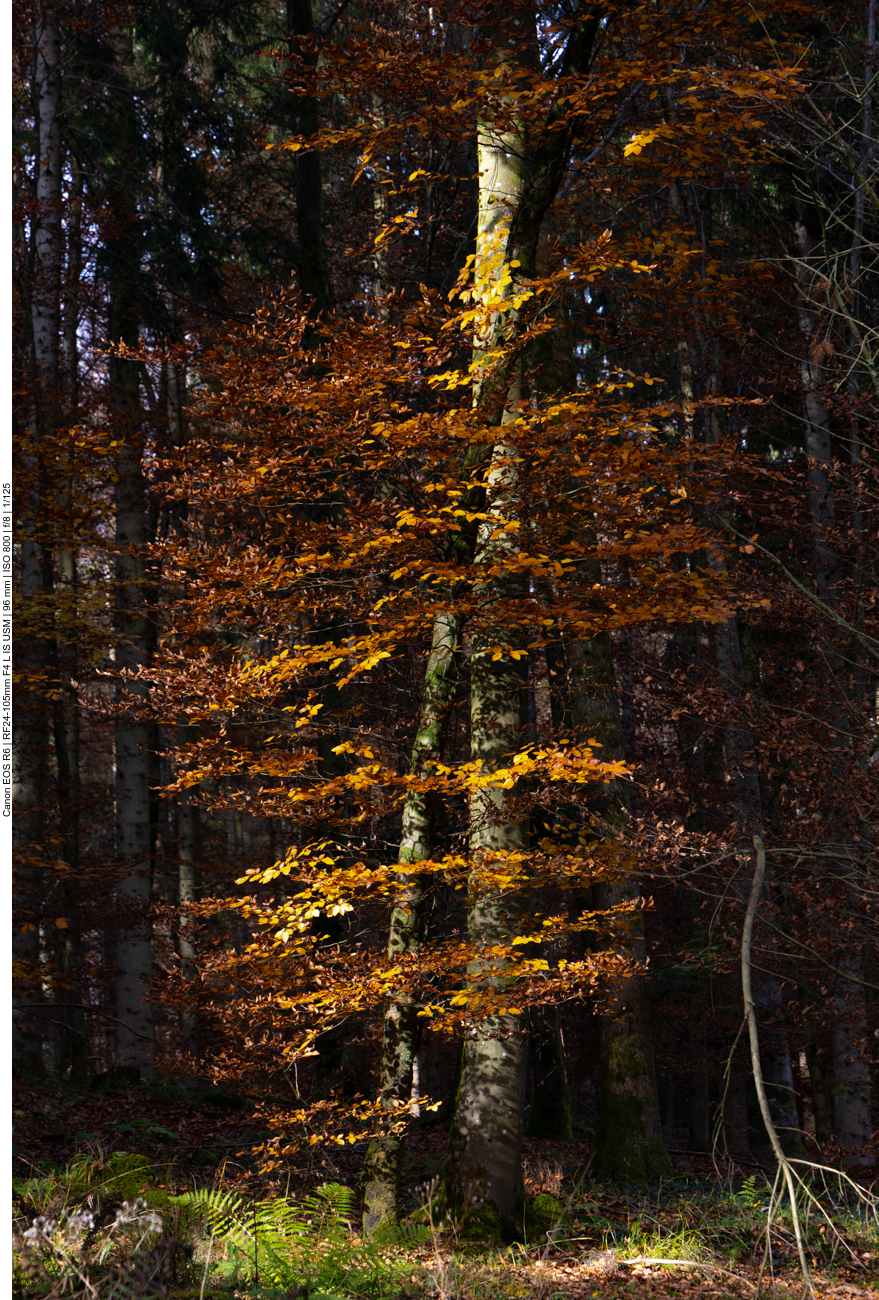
<point x="485" y="1142"/>
<point x="32" y="710"/>
<point x="400" y="1029"/>
<point x="187" y="849"/>
<point x="132" y="953"/>
<point x="518" y="179"/>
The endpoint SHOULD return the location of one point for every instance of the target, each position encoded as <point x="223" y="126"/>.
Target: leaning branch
<point x="870" y="644"/>
<point x="751" y="1017"/>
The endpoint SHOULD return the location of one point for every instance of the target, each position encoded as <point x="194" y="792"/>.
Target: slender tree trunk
<point x="629" y="1135"/>
<point x="32" y="709"/>
<point x="813" y="379"/>
<point x="485" y="1144"/>
<point x="550" y="1115"/>
<point x="187" y="848"/>
<point x="381" y="283"/>
<point x="700" y="1117"/>
<point x="485" y="1148"/>
<point x="818" y="1089"/>
<point x="188" y="819"/>
<point x="314" y="280"/>
<point x="851" y="1097"/>
<point x="73" y="1041"/>
<point x="133" y="949"/>
<point x="743" y="786"/>
<point x="400" y="1031"/>
<point x="551" y="1108"/>
<point x="133" y="955"/>
<point x="852" y="1119"/>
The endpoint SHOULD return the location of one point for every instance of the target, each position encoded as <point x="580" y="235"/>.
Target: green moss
<point x="125" y="1175"/>
<point x="121" y="1177"/>
<point x="482" y="1222"/>
<point x="626" y="1063"/>
<point x="624" y="1150"/>
<point x="545" y="1213"/>
<point x="380" y="1182"/>
<point x="479" y="1221"/>
<point x="627" y="1147"/>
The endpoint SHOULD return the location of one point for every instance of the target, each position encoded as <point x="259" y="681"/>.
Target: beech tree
<point x="466" y="530"/>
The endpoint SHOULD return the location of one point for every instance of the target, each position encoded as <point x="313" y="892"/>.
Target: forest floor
<point x="609" y="1240"/>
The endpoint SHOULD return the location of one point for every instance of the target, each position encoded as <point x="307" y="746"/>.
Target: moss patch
<point x="623" y="1150"/>
<point x="546" y="1213"/>
<point x="482" y="1222"/>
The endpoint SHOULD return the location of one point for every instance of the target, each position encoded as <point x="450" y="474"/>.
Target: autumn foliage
<point x="607" y="428"/>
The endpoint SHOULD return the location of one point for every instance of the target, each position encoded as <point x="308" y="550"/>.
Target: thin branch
<point x="80" y="1006"/>
<point x="870" y="644"/>
<point x="751" y="1017"/>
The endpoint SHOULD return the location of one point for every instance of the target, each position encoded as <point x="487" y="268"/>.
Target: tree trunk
<point x="485" y="1143"/>
<point x="518" y="179"/>
<point x="32" y="709"/>
<point x="187" y="848"/>
<point x="73" y="1041"/>
<point x="550" y="1115"/>
<point x="381" y="1172"/>
<point x="852" y="1121"/>
<point x="72" y="1056"/>
<point x="314" y="281"/>
<point x="818" y="1090"/>
<point x="851" y="1097"/>
<point x="740" y="774"/>
<point x="135" y="1030"/>
<point x="628" y="1142"/>
<point x="485" y="1147"/>
<point x="551" y="1108"/>
<point x="700" y="1118"/>
<point x="813" y="378"/>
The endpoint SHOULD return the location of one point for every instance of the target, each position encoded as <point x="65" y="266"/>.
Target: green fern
<point x="286" y="1243"/>
<point x="749" y="1194"/>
